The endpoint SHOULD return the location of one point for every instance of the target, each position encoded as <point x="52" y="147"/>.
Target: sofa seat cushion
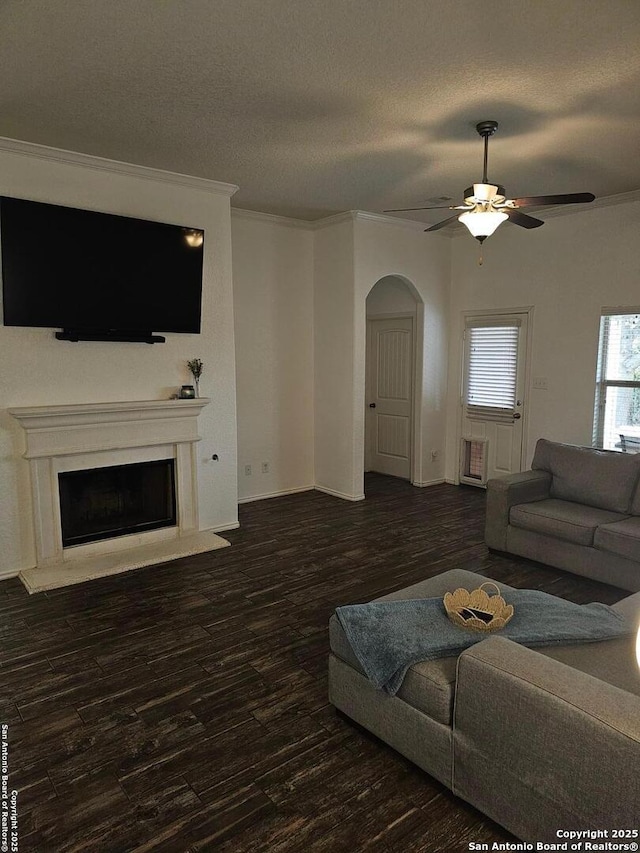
<point x="573" y="522"/>
<point x="621" y="538"/>
<point x="600" y="478"/>
<point x="428" y="686"/>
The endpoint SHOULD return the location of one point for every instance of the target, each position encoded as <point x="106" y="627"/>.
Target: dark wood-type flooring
<point x="183" y="707"/>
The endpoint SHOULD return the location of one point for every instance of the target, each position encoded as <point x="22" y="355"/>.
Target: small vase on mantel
<point x="195" y="366"/>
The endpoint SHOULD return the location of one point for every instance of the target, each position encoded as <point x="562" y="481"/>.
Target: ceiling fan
<point x="486" y="205"/>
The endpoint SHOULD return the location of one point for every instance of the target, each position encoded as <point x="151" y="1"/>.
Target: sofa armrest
<point x="505" y="492"/>
<point x="540" y="746"/>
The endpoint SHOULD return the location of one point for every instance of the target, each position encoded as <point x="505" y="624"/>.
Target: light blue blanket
<point x="388" y="637"/>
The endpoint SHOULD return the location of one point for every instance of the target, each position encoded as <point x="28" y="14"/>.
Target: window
<point x="491" y="369"/>
<point x="617" y="408"/>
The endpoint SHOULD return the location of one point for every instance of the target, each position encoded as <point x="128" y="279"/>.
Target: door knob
<point x="372" y="405"/>
<point x="516" y="416"/>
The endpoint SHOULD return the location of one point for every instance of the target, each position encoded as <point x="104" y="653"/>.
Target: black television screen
<point x="96" y="272"/>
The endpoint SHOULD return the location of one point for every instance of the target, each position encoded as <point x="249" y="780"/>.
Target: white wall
<point x="334" y="359"/>
<point x="276" y="325"/>
<point x="568" y="271"/>
<point x="36" y="369"/>
<point x="382" y="249"/>
<point x="273" y="305"/>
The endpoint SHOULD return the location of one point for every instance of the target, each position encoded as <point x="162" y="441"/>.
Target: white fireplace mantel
<point x="63" y="438"/>
<point x="86" y="427"/>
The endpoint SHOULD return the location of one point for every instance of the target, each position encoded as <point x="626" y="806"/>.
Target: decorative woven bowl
<point x="477" y="610"/>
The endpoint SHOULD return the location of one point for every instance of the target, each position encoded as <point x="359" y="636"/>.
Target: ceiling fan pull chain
<point x="480" y="258"/>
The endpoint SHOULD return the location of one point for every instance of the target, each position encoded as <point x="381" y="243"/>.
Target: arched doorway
<point x="393" y="352"/>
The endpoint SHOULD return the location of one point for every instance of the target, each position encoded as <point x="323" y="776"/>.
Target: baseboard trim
<point x="278" y="494"/>
<point x="429" y="483"/>
<point x="221" y="527"/>
<point x="5" y="574"/>
<point x="341" y="495"/>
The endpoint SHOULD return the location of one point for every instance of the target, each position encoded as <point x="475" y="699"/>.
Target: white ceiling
<point x="318" y="106"/>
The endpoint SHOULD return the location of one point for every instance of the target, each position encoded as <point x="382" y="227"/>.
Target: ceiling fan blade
<point x="441" y="224"/>
<point x="403" y="209"/>
<point x="522" y="219"/>
<point x="567" y="198"/>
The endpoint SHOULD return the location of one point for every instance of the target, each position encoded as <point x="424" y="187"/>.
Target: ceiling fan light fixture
<point x="482" y="223"/>
<point x="486" y="205"/>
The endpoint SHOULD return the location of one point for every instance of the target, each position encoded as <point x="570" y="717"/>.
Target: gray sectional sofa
<point x="577" y="509"/>
<point x="540" y="741"/>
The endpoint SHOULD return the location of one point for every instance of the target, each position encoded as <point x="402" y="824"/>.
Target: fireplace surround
<point x="62" y="439"/>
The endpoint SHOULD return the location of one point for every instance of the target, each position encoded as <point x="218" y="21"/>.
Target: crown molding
<point x="336" y="219"/>
<point x="328" y="221"/>
<point x="621" y="198"/>
<point x="291" y="222"/>
<point x="367" y="216"/>
<point x="102" y="164"/>
<point x="383" y="218"/>
<point x="272" y="218"/>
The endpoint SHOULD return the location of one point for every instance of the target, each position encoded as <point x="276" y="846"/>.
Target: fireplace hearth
<point x="102" y="503"/>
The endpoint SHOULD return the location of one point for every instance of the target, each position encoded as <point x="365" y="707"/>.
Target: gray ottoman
<point x="417" y="720"/>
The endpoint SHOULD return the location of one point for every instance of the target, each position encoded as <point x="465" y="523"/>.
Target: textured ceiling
<point x="318" y="106"/>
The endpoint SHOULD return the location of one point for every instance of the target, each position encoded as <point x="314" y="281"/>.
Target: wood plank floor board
<point x="207" y="828"/>
<point x="76" y="690"/>
<point x="183" y="707"/>
<point x="273" y="750"/>
<point x="209" y="755"/>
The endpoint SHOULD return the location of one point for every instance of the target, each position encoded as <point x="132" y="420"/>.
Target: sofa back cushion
<point x="600" y="478"/>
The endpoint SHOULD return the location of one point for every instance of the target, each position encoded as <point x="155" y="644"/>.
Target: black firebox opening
<point x="101" y="503"/>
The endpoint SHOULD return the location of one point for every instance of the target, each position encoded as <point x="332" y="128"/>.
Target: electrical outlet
<point x="265" y="467"/>
<point x="247" y="470"/>
<point x="540" y="383"/>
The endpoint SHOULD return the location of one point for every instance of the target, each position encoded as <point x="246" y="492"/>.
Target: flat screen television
<point x="98" y="276"/>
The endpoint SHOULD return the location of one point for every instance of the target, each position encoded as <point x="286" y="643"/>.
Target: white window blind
<point x="491" y="370"/>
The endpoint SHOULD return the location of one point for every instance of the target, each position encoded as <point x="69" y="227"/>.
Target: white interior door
<point x="389" y="415"/>
<point x="493" y="404"/>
